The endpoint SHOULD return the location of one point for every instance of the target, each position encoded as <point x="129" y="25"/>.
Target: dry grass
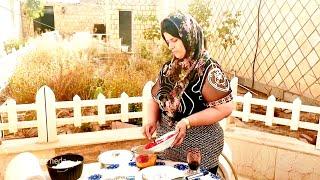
<point x="62" y="66"/>
<point x="128" y="76"/>
<point x="72" y="68"/>
<point x="67" y="68"/>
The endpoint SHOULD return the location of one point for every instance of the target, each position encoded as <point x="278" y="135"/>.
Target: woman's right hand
<point x="149" y="129"/>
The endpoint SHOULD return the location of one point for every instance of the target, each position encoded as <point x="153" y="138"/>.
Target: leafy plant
<point x="226" y="31"/>
<point x="34" y="8"/>
<point x="151" y="50"/>
<point x="152" y="30"/>
<point x="12" y="44"/>
<point x="201" y="10"/>
<point x="225" y="34"/>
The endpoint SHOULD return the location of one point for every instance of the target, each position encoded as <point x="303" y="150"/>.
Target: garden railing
<point x="47" y="122"/>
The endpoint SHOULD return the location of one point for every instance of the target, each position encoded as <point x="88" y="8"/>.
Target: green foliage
<point x="150" y="50"/>
<point x="97" y="91"/>
<point x="201" y="11"/>
<point x="152" y="32"/>
<point x="12" y="44"/>
<point x="226" y="32"/>
<point x="158" y="51"/>
<point x="145" y="51"/>
<point x="34" y="8"/>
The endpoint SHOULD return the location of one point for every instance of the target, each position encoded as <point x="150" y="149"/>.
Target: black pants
<point x="213" y="170"/>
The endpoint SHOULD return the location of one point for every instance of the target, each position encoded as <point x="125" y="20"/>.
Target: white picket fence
<point x="47" y="122"/>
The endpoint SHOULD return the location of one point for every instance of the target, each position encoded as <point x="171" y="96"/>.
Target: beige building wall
<point x="81" y="17"/>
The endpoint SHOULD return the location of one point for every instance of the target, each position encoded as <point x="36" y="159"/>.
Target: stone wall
<point x="72" y="18"/>
<point x="260" y="155"/>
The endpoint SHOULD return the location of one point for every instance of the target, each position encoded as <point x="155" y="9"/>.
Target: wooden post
<point x="270" y="110"/>
<point x="101" y="108"/>
<point x="124" y="107"/>
<point x="77" y="111"/>
<point x="295" y="117"/>
<point x="146" y="97"/>
<point x="46" y="115"/>
<point x="246" y="106"/>
<point x="12" y="115"/>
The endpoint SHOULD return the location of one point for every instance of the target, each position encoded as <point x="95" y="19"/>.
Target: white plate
<point x="159" y="172"/>
<point x="115" y="157"/>
<point x="164" y="142"/>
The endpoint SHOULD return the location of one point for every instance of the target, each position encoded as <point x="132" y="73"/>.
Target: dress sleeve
<point x="216" y="89"/>
<point x="155" y="88"/>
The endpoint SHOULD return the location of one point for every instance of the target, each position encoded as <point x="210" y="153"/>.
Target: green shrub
<point x="12" y="44"/>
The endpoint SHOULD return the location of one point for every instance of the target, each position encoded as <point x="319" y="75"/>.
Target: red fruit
<point x="150" y="145"/>
<point x="142" y="158"/>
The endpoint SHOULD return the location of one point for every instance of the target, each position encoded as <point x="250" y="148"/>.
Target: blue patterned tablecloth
<point x="128" y="170"/>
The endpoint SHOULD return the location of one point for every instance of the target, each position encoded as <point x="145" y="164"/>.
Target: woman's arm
<point x="205" y="117"/>
<point x="153" y="113"/>
<point x="216" y="91"/>
<point x="210" y="115"/>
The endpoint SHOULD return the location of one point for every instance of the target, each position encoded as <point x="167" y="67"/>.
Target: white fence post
<point x="101" y="109"/>
<point x="77" y="111"/>
<point x="12" y="115"/>
<point x="46" y="115"/>
<point x="124" y="107"/>
<point x="295" y="117"/>
<point x="318" y="136"/>
<point x="51" y="115"/>
<point x="3" y="108"/>
<point x="246" y="106"/>
<point x="234" y="86"/>
<point x="270" y="110"/>
<point x="146" y="96"/>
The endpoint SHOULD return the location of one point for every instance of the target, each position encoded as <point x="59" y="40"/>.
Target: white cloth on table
<point x="24" y="166"/>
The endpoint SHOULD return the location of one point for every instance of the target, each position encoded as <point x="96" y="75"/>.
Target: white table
<point x="129" y="169"/>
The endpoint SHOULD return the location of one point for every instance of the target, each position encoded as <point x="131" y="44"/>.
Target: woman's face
<point x="175" y="45"/>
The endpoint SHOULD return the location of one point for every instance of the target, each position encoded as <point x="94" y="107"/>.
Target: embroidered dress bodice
<point x="208" y="138"/>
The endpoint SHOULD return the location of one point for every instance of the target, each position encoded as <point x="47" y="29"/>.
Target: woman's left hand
<point x="181" y="129"/>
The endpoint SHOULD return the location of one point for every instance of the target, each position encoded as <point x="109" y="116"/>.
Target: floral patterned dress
<point x="208" y="138"/>
<point x="181" y="87"/>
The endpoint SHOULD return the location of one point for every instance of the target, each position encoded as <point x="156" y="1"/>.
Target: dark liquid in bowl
<point x="193" y="165"/>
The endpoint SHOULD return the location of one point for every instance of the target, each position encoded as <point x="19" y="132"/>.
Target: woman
<point x="190" y="96"/>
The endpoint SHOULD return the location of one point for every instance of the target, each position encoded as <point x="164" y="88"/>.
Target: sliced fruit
<point x="146" y="160"/>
